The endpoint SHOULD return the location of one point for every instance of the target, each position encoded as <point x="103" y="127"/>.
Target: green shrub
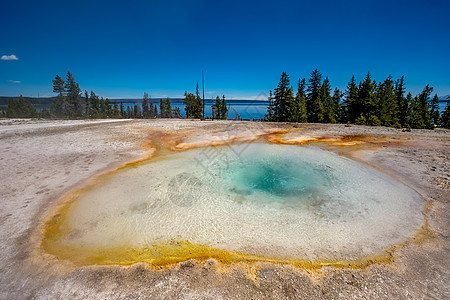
<point x="374" y="121"/>
<point x="361" y="120"/>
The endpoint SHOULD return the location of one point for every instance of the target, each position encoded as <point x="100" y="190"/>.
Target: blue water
<point x="275" y="176"/>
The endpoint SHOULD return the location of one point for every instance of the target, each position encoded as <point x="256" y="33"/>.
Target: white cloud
<point x="14" y="81"/>
<point x="9" y="57"/>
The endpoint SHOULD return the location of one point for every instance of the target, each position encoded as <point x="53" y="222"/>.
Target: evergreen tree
<point x="94" y="105"/>
<point x="60" y="106"/>
<point x="12" y="109"/>
<point x="419" y="116"/>
<point x="135" y="111"/>
<point x="151" y="111"/>
<point x="59" y="86"/>
<point x="445" y="120"/>
<point x="165" y="108"/>
<point x="155" y="111"/>
<point x="215" y="108"/>
<point x="116" y="112"/>
<point x="87" y="105"/>
<point x="339" y="111"/>
<point x="102" y="109"/>
<point x="301" y="115"/>
<point x="224" y="109"/>
<point x="73" y="93"/>
<point x="198" y="106"/>
<point x="387" y="106"/>
<point x="270" y="108"/>
<point x="284" y="100"/>
<point x="314" y="105"/>
<point x="434" y="110"/>
<point x="189" y="100"/>
<point x="329" y="110"/>
<point x="122" y="110"/>
<point x="20" y="109"/>
<point x="109" y="108"/>
<point x="219" y="108"/>
<point x="366" y="100"/>
<point x="193" y="105"/>
<point x="409" y="98"/>
<point x="403" y="104"/>
<point x="145" y="108"/>
<point x="351" y="107"/>
<point x="45" y="114"/>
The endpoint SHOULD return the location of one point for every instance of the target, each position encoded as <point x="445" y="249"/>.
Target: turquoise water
<point x="278" y="178"/>
<point x="270" y="200"/>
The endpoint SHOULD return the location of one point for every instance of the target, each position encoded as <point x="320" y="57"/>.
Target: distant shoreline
<point x="47" y="100"/>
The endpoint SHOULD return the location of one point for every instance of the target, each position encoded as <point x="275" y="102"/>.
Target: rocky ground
<point x="40" y="161"/>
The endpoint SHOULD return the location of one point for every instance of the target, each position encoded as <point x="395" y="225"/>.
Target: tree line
<point x="195" y="107"/>
<point x="71" y="103"/>
<point x="365" y="103"/>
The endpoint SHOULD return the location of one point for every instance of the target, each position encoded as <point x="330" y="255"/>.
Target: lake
<point x="237" y="109"/>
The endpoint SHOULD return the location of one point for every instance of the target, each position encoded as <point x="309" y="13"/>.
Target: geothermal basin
<point x="242" y="202"/>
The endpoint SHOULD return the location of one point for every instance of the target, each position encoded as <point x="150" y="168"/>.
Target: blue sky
<point x="124" y="48"/>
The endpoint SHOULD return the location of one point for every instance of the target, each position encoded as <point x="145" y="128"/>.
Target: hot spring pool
<point x="249" y="200"/>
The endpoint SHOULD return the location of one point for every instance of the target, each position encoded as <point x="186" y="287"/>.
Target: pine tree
<point x="95" y="105"/>
<point x="193" y="105"/>
<point x="329" y="111"/>
<point x="351" y="109"/>
<point x="145" y="108"/>
<point x="60" y="106"/>
<point x="284" y="100"/>
<point x="219" y="108"/>
<point x="270" y="108"/>
<point x="59" y="86"/>
<point x="419" y="116"/>
<point x="314" y="105"/>
<point x="122" y="110"/>
<point x="434" y="110"/>
<point x="20" y="109"/>
<point x="116" y="112"/>
<point x="165" y="108"/>
<point x="12" y="110"/>
<point x="189" y="100"/>
<point x="366" y="100"/>
<point x="109" y="108"/>
<point x="424" y="107"/>
<point x="224" y="109"/>
<point x="215" y="108"/>
<point x="45" y="114"/>
<point x="155" y="111"/>
<point x="301" y="115"/>
<point x="87" y="105"/>
<point x="387" y="107"/>
<point x="198" y="105"/>
<point x="73" y="93"/>
<point x="403" y="104"/>
<point x="445" y="120"/>
<point x="339" y="111"/>
<point x="151" y="111"/>
<point x="135" y="111"/>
